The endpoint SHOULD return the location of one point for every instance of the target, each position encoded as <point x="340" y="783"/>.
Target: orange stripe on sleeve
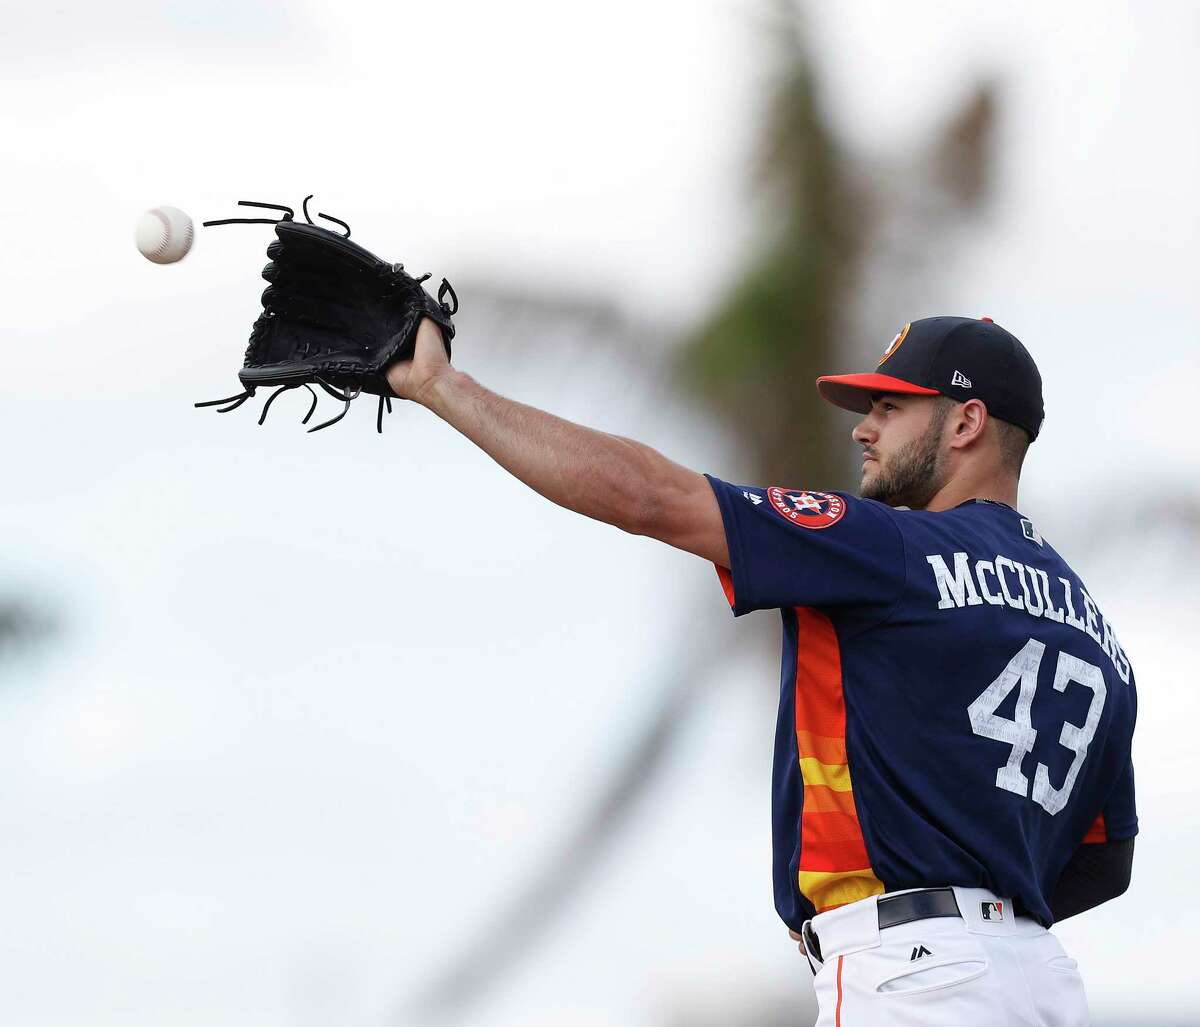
<point x="819" y="799"/>
<point x="726" y="576"/>
<point x="1097" y="833"/>
<point x="826" y="748"/>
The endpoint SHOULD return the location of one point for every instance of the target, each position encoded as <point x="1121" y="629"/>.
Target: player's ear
<point x="968" y="421"/>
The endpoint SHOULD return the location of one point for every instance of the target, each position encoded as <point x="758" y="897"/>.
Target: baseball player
<point x="952" y="758"/>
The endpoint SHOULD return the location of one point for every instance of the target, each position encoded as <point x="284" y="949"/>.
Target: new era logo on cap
<point x="960" y="380"/>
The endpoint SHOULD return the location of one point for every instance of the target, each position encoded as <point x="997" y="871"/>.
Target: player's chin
<point x="868" y="486"/>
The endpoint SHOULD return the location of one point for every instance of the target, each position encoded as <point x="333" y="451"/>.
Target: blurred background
<point x="354" y="729"/>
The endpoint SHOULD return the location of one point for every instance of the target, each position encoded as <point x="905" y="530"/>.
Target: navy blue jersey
<point x="954" y="707"/>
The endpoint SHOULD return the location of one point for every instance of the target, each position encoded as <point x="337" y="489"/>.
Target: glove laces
<point x="288" y="215"/>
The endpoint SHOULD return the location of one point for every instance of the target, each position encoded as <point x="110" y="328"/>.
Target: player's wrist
<point x="438" y="391"/>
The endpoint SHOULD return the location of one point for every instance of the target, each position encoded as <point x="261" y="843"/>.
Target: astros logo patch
<point x="807" y="509"/>
<point x="895" y="343"/>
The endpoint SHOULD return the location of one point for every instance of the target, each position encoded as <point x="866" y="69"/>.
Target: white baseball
<point x="164" y="234"/>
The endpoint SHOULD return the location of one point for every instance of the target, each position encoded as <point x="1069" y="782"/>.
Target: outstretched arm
<point x="606" y="477"/>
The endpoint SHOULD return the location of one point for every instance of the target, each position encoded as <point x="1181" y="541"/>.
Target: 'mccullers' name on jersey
<point x="1005" y="582"/>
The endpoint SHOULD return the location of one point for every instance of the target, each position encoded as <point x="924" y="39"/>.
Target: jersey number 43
<point x="1020" y="733"/>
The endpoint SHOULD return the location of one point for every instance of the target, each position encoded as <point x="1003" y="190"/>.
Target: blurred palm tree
<point x="753" y="362"/>
<point x="825" y="260"/>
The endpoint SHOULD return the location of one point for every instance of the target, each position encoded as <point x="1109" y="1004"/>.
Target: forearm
<point x="603" y="476"/>
<point x="1095" y="874"/>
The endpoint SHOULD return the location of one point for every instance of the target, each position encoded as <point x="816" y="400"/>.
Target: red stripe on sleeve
<point x="1097" y="833"/>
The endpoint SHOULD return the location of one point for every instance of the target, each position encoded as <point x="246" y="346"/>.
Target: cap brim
<point x="853" y="391"/>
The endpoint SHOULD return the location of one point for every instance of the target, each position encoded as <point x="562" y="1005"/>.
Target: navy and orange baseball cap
<point x="960" y="357"/>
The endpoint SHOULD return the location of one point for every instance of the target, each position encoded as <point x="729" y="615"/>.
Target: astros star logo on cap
<point x="894" y="344"/>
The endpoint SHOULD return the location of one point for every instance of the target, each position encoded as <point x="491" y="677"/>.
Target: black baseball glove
<point x="334" y="316"/>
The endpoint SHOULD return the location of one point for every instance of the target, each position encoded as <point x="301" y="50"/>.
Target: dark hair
<point x="1014" y="444"/>
<point x="1013" y="440"/>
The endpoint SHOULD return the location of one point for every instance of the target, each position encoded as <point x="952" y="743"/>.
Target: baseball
<point x="164" y="234"/>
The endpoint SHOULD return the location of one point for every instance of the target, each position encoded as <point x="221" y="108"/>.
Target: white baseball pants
<point x="945" y="971"/>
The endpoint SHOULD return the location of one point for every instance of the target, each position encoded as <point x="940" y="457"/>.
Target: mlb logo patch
<point x="992" y="911"/>
<point x="1029" y="531"/>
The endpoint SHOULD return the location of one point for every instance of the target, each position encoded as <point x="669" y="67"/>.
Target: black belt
<point x="894" y="910"/>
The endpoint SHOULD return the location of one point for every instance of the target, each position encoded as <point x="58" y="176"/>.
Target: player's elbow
<point x="1121" y="873"/>
<point x="643" y="514"/>
<point x="639" y="496"/>
<point x="1124" y="875"/>
<point x="683" y="513"/>
<point x="1115" y="885"/>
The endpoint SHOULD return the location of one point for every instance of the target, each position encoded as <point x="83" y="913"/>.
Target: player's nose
<point x="864" y="434"/>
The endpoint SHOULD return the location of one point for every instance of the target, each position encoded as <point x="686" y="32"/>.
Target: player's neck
<point x="959" y="489"/>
